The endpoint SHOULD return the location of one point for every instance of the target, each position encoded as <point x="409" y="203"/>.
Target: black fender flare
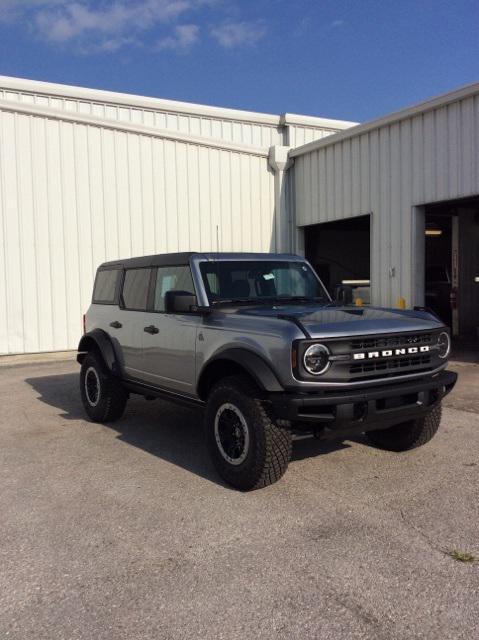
<point x="252" y="363"/>
<point x="102" y="341"/>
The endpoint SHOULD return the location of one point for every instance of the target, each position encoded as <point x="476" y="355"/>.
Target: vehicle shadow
<point x="164" y="429"/>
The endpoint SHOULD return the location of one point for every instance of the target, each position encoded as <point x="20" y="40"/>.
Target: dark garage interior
<point x="452" y="266"/>
<point x="340" y="253"/>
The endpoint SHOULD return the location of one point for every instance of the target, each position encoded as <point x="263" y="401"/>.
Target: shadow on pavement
<point x="164" y="429"/>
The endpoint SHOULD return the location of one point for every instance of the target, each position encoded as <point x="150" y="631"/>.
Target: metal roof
<point x="422" y="107"/>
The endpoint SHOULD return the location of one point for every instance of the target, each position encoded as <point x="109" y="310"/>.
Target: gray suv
<point x="255" y="340"/>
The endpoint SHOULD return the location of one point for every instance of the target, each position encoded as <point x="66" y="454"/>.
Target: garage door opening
<point x="340" y="251"/>
<point x="452" y="266"/>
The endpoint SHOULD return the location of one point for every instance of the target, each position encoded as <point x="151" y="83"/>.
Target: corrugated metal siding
<point x="237" y="131"/>
<point x="298" y="135"/>
<point x="73" y="195"/>
<point x="387" y="171"/>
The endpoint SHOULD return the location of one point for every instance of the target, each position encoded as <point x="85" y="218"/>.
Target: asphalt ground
<point x="124" y="531"/>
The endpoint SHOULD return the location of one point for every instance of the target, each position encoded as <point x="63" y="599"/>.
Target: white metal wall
<point x="425" y="154"/>
<point x="74" y="194"/>
<point x="299" y="135"/>
<point x="230" y="125"/>
<point x="241" y="132"/>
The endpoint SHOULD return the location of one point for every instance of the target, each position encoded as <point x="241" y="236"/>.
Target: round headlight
<point x="316" y="359"/>
<point x="444" y="344"/>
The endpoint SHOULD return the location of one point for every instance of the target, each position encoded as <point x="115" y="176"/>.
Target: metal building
<point x="396" y="202"/>
<point x="88" y="176"/>
<point x="391" y="206"/>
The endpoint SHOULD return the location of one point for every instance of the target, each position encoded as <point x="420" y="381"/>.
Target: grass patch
<point x="461" y="556"/>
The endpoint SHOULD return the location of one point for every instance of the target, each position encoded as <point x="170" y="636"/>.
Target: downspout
<point x="280" y="162"/>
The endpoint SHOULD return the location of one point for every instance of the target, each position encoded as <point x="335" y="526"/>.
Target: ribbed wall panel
<point x="298" y="135"/>
<point x="73" y="195"/>
<point x="240" y="132"/>
<point x="428" y="157"/>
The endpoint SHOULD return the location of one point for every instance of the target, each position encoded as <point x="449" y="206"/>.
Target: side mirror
<point x="344" y="294"/>
<point x="179" y="302"/>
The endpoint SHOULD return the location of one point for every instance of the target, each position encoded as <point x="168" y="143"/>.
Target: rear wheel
<point x="103" y="396"/>
<point x="408" y="435"/>
<point x="248" y="447"/>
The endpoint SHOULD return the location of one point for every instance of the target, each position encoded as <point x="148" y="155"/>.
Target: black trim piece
<point x="103" y="341"/>
<point x="254" y="364"/>
<point x="339" y="408"/>
<point x="160" y="260"/>
<point x="295" y="320"/>
<point x="135" y="386"/>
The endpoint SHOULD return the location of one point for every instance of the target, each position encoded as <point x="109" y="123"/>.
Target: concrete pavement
<point x="124" y="531"/>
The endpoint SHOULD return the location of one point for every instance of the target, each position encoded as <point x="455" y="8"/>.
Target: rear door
<point x="131" y="318"/>
<point x="169" y="341"/>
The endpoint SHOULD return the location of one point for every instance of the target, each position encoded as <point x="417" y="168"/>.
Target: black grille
<point x="386" y="366"/>
<point x="384" y="342"/>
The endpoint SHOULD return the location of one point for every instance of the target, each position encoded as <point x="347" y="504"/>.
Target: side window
<point x="104" y="291"/>
<point x="171" y="279"/>
<point x="135" y="289"/>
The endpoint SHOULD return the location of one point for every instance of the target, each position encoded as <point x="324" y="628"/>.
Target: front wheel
<point x="248" y="447"/>
<point x="408" y="435"/>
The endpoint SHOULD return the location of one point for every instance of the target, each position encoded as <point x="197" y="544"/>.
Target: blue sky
<point x="340" y="59"/>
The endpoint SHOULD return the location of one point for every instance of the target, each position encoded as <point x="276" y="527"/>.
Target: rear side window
<point x="171" y="279"/>
<point x="135" y="289"/>
<point x="105" y="288"/>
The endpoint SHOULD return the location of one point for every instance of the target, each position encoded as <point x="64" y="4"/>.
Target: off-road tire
<point x="408" y="435"/>
<point x="112" y="396"/>
<point x="270" y="444"/>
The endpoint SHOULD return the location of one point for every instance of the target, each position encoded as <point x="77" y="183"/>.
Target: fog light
<point x="316" y="359"/>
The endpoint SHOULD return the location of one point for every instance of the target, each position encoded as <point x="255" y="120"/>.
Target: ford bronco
<point x="257" y="342"/>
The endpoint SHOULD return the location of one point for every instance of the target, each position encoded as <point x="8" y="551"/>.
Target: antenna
<point x="216" y="261"/>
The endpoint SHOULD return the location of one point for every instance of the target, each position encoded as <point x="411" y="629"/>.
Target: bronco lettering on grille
<point x="389" y="353"/>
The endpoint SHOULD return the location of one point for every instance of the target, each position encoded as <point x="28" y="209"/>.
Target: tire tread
<point x="272" y="462"/>
<point x="410" y="435"/>
<point x="115" y="395"/>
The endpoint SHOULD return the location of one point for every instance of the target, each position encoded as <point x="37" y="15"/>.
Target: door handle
<point x="116" y="325"/>
<point x="151" y="329"/>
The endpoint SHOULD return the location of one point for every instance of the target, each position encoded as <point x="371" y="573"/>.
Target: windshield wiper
<point x="269" y="300"/>
<point x="310" y="299"/>
<point x="234" y="301"/>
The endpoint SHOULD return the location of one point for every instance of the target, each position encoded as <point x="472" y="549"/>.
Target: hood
<point x="335" y="320"/>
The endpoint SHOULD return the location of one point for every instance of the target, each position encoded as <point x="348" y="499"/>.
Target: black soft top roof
<point x="158" y="260"/>
<point x="172" y="259"/>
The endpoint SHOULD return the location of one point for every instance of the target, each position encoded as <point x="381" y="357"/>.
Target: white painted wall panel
<point x="73" y="195"/>
<point x="230" y="125"/>
<point x="299" y="135"/>
<point x="240" y="132"/>
<point x="428" y="156"/>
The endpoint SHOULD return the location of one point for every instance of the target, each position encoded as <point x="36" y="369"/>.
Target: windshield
<point x="261" y="281"/>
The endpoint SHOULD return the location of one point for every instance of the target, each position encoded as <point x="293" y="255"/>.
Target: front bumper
<point x="340" y="412"/>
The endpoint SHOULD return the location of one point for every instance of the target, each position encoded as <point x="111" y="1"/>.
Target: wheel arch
<point x="237" y="361"/>
<point x="100" y="341"/>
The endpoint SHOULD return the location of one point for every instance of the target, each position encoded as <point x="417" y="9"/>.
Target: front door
<point x="169" y="341"/>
